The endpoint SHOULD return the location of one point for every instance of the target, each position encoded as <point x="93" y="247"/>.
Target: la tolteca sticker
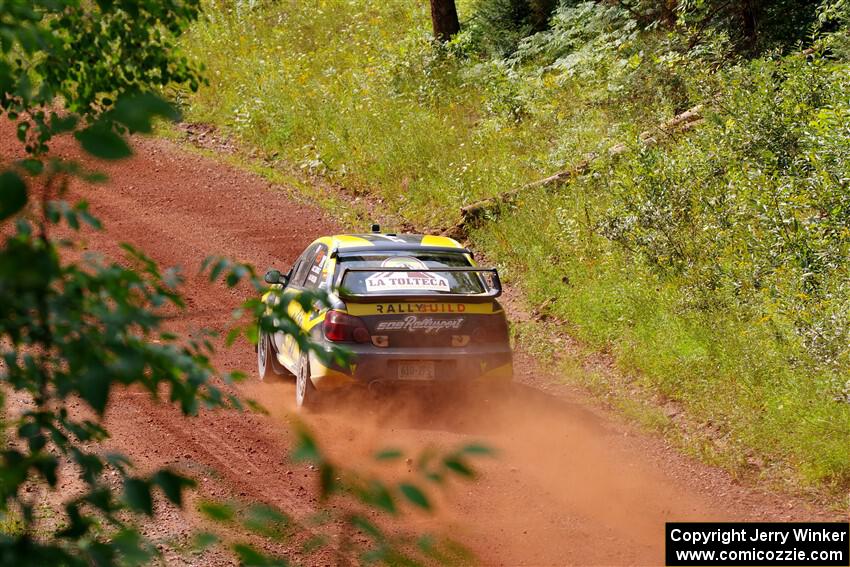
<point x="406" y="281"/>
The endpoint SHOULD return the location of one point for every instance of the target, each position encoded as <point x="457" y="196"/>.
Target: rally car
<point x="410" y="309"/>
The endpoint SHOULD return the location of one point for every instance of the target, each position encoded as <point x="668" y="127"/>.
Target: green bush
<point x="718" y="265"/>
<point x="497" y="26"/>
<point x="753" y="203"/>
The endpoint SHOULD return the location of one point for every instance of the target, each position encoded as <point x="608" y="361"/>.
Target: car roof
<point x="343" y="242"/>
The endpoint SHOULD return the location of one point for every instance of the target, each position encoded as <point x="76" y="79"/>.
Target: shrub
<point x="498" y="26"/>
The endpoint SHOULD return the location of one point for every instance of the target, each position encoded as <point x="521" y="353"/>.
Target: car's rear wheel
<point x="305" y="392"/>
<point x="265" y="355"/>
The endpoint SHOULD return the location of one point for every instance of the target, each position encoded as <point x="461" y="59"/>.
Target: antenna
<point x="376" y="228"/>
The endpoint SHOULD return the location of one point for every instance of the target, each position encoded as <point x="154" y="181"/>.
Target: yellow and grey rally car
<point x="409" y="309"/>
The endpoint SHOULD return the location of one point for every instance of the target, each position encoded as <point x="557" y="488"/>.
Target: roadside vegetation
<point x="713" y="264"/>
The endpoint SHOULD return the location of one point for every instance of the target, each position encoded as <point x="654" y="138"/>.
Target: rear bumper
<point x="371" y="365"/>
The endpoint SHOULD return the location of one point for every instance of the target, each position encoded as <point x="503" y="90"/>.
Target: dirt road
<point x="571" y="485"/>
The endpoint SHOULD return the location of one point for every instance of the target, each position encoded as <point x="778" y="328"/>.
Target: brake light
<point x="342" y="327"/>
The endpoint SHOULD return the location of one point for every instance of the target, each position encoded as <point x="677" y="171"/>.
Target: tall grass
<point x="356" y="91"/>
<point x="713" y="266"/>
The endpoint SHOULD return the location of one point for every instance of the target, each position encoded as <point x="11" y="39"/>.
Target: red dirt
<point x="571" y="485"/>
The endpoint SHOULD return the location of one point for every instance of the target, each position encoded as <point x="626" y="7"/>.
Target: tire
<point x="306" y="396"/>
<point x="265" y="358"/>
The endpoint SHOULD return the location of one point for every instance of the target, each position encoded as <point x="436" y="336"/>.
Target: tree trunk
<point x="444" y="19"/>
<point x="749" y="10"/>
<point x="668" y="12"/>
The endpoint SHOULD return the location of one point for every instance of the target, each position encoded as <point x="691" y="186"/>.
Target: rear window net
<point x="376" y="283"/>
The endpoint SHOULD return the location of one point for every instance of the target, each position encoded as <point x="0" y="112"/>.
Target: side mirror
<point x="275" y="277"/>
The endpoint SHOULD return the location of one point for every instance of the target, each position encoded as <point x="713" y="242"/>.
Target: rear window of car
<point x="428" y="281"/>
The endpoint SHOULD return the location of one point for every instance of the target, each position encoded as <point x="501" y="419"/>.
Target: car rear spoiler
<point x="494" y="287"/>
<point x="395" y="247"/>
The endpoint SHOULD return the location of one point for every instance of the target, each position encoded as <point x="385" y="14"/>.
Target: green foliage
<point x="497" y="26"/>
<point x="76" y="330"/>
<point x="14" y="192"/>
<point x="763" y="178"/>
<point x="591" y="43"/>
<point x="351" y="501"/>
<point x="751" y="27"/>
<point x="124" y="49"/>
<point x="717" y="264"/>
<point x="834" y="18"/>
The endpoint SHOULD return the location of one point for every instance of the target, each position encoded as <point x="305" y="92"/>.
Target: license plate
<point x="416" y="371"/>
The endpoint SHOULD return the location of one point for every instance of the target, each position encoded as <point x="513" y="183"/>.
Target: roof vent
<point x="376" y="228"/>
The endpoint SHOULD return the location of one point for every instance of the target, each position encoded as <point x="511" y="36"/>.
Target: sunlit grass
<point x="355" y="91"/>
<point x="727" y="370"/>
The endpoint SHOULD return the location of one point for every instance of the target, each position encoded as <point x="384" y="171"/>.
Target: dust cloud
<point x="564" y="485"/>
